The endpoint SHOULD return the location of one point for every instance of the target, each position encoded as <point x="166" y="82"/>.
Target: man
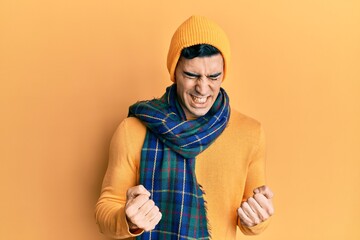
<point x="184" y="166"/>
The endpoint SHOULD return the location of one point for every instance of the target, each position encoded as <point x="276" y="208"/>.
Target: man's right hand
<point x="140" y="210"/>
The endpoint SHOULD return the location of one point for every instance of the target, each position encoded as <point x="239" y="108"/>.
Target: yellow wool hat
<point x="197" y="30"/>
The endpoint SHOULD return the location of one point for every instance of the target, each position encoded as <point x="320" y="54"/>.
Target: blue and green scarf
<point x="167" y="166"/>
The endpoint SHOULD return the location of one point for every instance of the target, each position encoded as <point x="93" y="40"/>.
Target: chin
<point x="200" y="113"/>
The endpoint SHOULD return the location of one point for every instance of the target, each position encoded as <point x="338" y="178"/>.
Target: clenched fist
<point x="140" y="210"/>
<point x="258" y="208"/>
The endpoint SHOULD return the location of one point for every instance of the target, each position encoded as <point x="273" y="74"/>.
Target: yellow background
<point x="70" y="69"/>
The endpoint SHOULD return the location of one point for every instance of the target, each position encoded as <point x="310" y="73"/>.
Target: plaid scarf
<point x="167" y="167"/>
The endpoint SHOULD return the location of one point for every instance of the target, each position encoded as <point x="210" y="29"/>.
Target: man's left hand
<point x="258" y="208"/>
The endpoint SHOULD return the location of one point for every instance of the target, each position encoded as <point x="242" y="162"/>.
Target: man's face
<point x="198" y="83"/>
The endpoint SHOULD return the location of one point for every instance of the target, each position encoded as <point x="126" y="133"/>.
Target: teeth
<point x="199" y="100"/>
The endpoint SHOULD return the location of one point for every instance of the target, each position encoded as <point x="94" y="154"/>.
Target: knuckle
<point x="257" y="221"/>
<point x="156" y="221"/>
<point x="258" y="196"/>
<point x="271" y="211"/>
<point x="264" y="217"/>
<point x="129" y="211"/>
<point x="239" y="210"/>
<point x="251" y="200"/>
<point x="136" y="188"/>
<point x="248" y="224"/>
<point x="156" y="208"/>
<point x="151" y="203"/>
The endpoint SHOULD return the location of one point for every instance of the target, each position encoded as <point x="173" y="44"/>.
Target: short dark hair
<point x="199" y="50"/>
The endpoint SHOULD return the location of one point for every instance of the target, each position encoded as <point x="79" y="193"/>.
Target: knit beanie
<point x="197" y="30"/>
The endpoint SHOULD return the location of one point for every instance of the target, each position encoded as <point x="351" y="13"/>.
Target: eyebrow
<point x="198" y="75"/>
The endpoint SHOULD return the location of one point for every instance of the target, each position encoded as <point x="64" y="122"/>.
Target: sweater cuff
<point x="254" y="230"/>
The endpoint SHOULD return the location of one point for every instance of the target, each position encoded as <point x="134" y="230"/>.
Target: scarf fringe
<point x="206" y="210"/>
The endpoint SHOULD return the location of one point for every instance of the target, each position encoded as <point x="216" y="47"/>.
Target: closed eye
<point x="191" y="75"/>
<point x="214" y="76"/>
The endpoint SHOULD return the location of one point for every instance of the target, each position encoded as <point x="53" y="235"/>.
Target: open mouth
<point x="199" y="100"/>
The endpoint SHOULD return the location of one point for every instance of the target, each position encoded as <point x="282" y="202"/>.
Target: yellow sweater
<point x="228" y="170"/>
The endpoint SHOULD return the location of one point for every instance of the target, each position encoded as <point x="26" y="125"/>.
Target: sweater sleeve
<point x="121" y="174"/>
<point x="255" y="178"/>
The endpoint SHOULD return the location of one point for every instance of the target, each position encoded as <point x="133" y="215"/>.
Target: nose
<point x="202" y="86"/>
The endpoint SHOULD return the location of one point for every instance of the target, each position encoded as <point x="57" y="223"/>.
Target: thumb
<point x="136" y="191"/>
<point x="265" y="190"/>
